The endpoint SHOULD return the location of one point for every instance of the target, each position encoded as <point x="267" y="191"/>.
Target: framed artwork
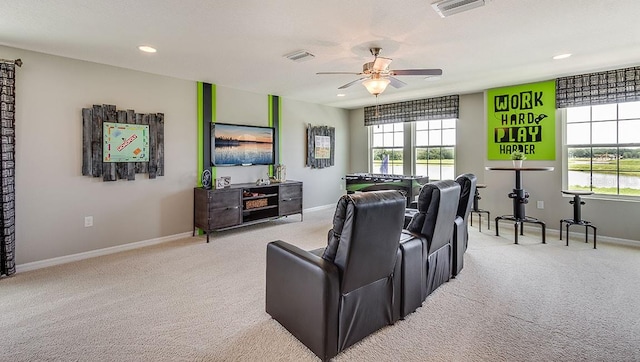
<point x="223" y="182"/>
<point x="321" y="143"/>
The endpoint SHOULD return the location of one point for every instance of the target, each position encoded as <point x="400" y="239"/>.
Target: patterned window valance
<point x="613" y="86"/>
<point x="410" y="111"/>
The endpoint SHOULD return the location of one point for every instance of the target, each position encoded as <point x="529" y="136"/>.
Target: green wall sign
<point x="522" y="117"/>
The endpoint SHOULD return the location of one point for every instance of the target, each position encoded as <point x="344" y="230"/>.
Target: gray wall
<point x="616" y="219"/>
<point x="52" y="197"/>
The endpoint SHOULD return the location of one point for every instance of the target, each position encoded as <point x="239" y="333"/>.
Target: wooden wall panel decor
<point x="92" y="143"/>
<point x="312" y="132"/>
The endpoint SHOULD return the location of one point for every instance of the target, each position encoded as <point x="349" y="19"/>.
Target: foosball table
<point x="409" y="185"/>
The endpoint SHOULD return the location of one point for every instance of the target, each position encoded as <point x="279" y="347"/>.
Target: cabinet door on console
<point x="225" y="207"/>
<point x="290" y="199"/>
<point x="215" y="209"/>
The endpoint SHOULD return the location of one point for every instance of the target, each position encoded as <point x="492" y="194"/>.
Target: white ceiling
<point x="240" y="44"/>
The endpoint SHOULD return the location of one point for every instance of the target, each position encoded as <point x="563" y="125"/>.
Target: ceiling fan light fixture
<point x="376" y="86"/>
<point x="446" y="8"/>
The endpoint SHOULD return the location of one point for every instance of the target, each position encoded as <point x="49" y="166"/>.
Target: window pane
<point x="603" y="132"/>
<point x="377" y="140"/>
<point x="398" y="139"/>
<point x="603" y="112"/>
<point x="422" y="138"/>
<point x="629" y="159"/>
<point x="629" y="131"/>
<point x="448" y="156"/>
<point x="579" y="175"/>
<point x="449" y="137"/>
<point x="578" y="134"/>
<point x="388" y="140"/>
<point x="422" y="125"/>
<point x="449" y="123"/>
<point x="388" y="161"/>
<point x="435" y="124"/>
<point x="435" y="138"/>
<point x="387" y="128"/>
<point x="578" y="114"/>
<point x="629" y="110"/>
<point x="604" y="178"/>
<point x="630" y="183"/>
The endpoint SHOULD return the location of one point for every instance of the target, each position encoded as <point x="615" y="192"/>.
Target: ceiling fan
<point x="376" y="75"/>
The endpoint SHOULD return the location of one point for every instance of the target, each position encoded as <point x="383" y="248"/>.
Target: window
<point x="434" y="149"/>
<point x="432" y="144"/>
<point x="603" y="148"/>
<point x="387" y="147"/>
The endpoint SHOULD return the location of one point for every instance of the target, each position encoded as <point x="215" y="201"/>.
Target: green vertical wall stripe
<point x="206" y="116"/>
<point x="200" y="126"/>
<point x="213" y="120"/>
<point x="275" y="121"/>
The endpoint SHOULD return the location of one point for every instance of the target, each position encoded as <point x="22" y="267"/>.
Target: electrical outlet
<point x="88" y="221"/>
<point x="540" y="204"/>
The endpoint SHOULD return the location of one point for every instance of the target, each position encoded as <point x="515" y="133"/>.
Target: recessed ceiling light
<point x="562" y="56"/>
<point x="341" y="94"/>
<point x="147" y="49"/>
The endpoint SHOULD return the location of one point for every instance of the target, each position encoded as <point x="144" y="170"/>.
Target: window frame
<point x="591" y="146"/>
<point x="410" y="149"/>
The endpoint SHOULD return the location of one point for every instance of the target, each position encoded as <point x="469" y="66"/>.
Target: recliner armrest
<point x="302" y="294"/>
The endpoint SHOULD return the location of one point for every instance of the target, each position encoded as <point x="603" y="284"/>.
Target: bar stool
<point x="577" y="216"/>
<point x="479" y="211"/>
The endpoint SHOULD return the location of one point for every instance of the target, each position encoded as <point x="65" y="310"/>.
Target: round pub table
<point x="520" y="197"/>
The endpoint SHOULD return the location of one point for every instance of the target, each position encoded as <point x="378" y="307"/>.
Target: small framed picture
<point x="223" y="182"/>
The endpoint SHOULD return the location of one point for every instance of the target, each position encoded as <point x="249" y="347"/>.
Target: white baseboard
<point x="100" y="252"/>
<point x="318" y="208"/>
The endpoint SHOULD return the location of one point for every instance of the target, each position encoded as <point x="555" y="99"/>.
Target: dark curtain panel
<point x="7" y="170"/>
<point x="418" y="110"/>
<point x="613" y="86"/>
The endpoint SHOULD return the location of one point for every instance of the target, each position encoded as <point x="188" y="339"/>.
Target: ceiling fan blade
<point x="352" y="83"/>
<point x="416" y="72"/>
<point x="381" y="64"/>
<point x="396" y="83"/>
<point x="352" y="73"/>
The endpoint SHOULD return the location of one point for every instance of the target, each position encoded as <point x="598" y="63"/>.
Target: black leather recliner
<point x="460" y="241"/>
<point x="332" y="301"/>
<point x="432" y="224"/>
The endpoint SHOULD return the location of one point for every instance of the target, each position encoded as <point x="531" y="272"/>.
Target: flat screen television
<point x="238" y="145"/>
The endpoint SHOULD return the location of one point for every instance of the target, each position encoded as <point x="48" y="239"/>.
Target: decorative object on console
<point x="517" y="157"/>
<point x="223" y="182"/>
<point x="320" y="146"/>
<point x="93" y="164"/>
<point x="206" y="179"/>
<point x="280" y="173"/>
<point x="263" y="181"/>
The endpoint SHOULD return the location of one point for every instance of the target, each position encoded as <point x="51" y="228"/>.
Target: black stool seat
<point x="577" y="215"/>
<point x="478" y="210"/>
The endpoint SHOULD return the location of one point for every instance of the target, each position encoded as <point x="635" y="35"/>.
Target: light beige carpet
<point x="192" y="301"/>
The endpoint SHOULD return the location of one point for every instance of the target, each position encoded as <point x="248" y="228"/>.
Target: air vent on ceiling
<point x="300" y="56"/>
<point x="446" y="8"/>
